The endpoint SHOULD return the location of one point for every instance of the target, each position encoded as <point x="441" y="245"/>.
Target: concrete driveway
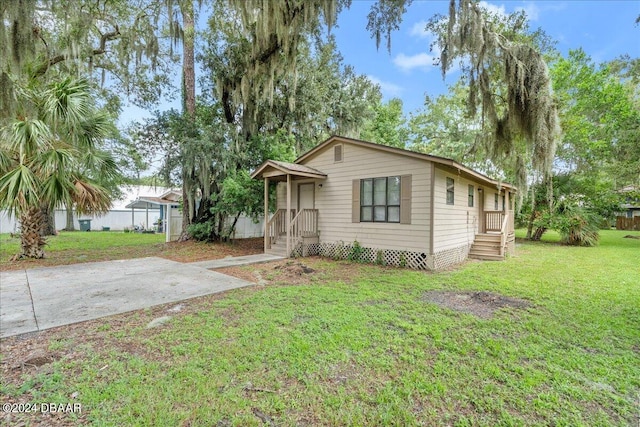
<point x="41" y="298"/>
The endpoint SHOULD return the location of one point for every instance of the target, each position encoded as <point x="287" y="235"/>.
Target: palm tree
<point x="43" y="157"/>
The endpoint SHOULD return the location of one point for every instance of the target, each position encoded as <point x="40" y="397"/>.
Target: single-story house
<point x="629" y="219"/>
<point x="631" y="204"/>
<point x="168" y="205"/>
<point x="401" y="207"/>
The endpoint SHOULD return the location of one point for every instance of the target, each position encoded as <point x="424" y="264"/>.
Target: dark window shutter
<point x="355" y="201"/>
<point x="405" y="199"/>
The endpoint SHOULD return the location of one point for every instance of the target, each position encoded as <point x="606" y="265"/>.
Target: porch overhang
<point x="276" y="170"/>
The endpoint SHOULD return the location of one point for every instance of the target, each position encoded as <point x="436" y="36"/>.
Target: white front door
<point x="305" y="196"/>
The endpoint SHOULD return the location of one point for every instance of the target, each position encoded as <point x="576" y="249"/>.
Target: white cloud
<point x="389" y="90"/>
<point x="419" y="30"/>
<point x="493" y="9"/>
<point x="532" y="11"/>
<point x="407" y="63"/>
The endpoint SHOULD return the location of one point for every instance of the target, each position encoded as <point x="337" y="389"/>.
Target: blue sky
<point x="604" y="29"/>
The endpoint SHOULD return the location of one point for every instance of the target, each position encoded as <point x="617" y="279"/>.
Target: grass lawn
<point x="350" y="344"/>
<point x="75" y="247"/>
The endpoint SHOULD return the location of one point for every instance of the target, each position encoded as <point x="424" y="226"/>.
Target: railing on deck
<point x="493" y="220"/>
<point x="503" y="233"/>
<point x="304" y="224"/>
<point x="276" y="226"/>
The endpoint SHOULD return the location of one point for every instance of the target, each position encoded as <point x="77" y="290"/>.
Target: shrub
<point x="356" y="252"/>
<point x="201" y="231"/>
<point x="577" y="226"/>
<point x="403" y="260"/>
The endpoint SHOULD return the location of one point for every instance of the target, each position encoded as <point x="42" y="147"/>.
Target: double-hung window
<point x="380" y="199"/>
<point x="471" y="195"/>
<point x="450" y="191"/>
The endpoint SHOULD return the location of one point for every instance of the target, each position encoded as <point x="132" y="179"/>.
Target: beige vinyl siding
<point x="454" y="225"/>
<point x="334" y="199"/>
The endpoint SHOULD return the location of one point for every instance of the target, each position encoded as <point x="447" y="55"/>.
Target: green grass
<point x="371" y="351"/>
<point x="94" y="240"/>
<point x="72" y="247"/>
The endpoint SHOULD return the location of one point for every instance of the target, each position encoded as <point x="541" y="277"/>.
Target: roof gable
<point x="275" y="169"/>
<point x="398" y="151"/>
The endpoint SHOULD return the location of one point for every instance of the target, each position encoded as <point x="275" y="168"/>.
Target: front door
<point x="305" y="196"/>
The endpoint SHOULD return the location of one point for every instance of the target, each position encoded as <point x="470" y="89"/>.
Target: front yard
<point x="549" y="337"/>
<point x="78" y="247"/>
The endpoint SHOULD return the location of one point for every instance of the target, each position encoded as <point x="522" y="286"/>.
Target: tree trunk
<point x="31" y="239"/>
<point x="188" y="103"/>
<point x="70" y="226"/>
<point x="538" y="234"/>
<point x="48" y="221"/>
<point x="532" y="217"/>
<point x="188" y="59"/>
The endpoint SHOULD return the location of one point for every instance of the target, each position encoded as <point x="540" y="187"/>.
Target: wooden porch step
<point x="487" y="237"/>
<point x="486" y="246"/>
<point x="486" y="256"/>
<point x="277" y="250"/>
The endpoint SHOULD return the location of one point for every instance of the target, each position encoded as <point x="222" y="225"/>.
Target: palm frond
<point x="90" y="198"/>
<point x="6" y="161"/>
<point x="19" y="190"/>
<point x="92" y="129"/>
<point x="67" y="103"/>
<point x="56" y="190"/>
<point x="27" y="137"/>
<point x="55" y="161"/>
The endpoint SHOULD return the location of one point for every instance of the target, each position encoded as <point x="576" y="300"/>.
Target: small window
<point x="495" y="202"/>
<point x="337" y="153"/>
<point x="450" y="191"/>
<point x="471" y="194"/>
<point x="504" y="203"/>
<point x="380" y="199"/>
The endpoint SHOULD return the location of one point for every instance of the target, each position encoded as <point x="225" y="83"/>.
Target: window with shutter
<point x="386" y="199"/>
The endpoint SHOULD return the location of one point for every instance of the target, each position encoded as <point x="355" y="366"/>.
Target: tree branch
<point x="102" y="48"/>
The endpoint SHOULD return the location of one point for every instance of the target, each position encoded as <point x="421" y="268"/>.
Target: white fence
<point x="117" y="220"/>
<point x="245" y="227"/>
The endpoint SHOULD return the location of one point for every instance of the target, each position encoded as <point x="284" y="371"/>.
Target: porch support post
<point x="267" y="239"/>
<point x="288" y="215"/>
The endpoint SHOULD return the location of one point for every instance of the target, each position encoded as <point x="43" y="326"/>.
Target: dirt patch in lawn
<point x="480" y="304"/>
<point x="192" y="251"/>
<point x="285" y="272"/>
<point x="297" y="271"/>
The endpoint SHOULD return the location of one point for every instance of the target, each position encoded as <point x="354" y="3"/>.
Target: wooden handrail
<point x="305" y="223"/>
<point x="493" y="220"/>
<point x="503" y="233"/>
<point x="276" y="226"/>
